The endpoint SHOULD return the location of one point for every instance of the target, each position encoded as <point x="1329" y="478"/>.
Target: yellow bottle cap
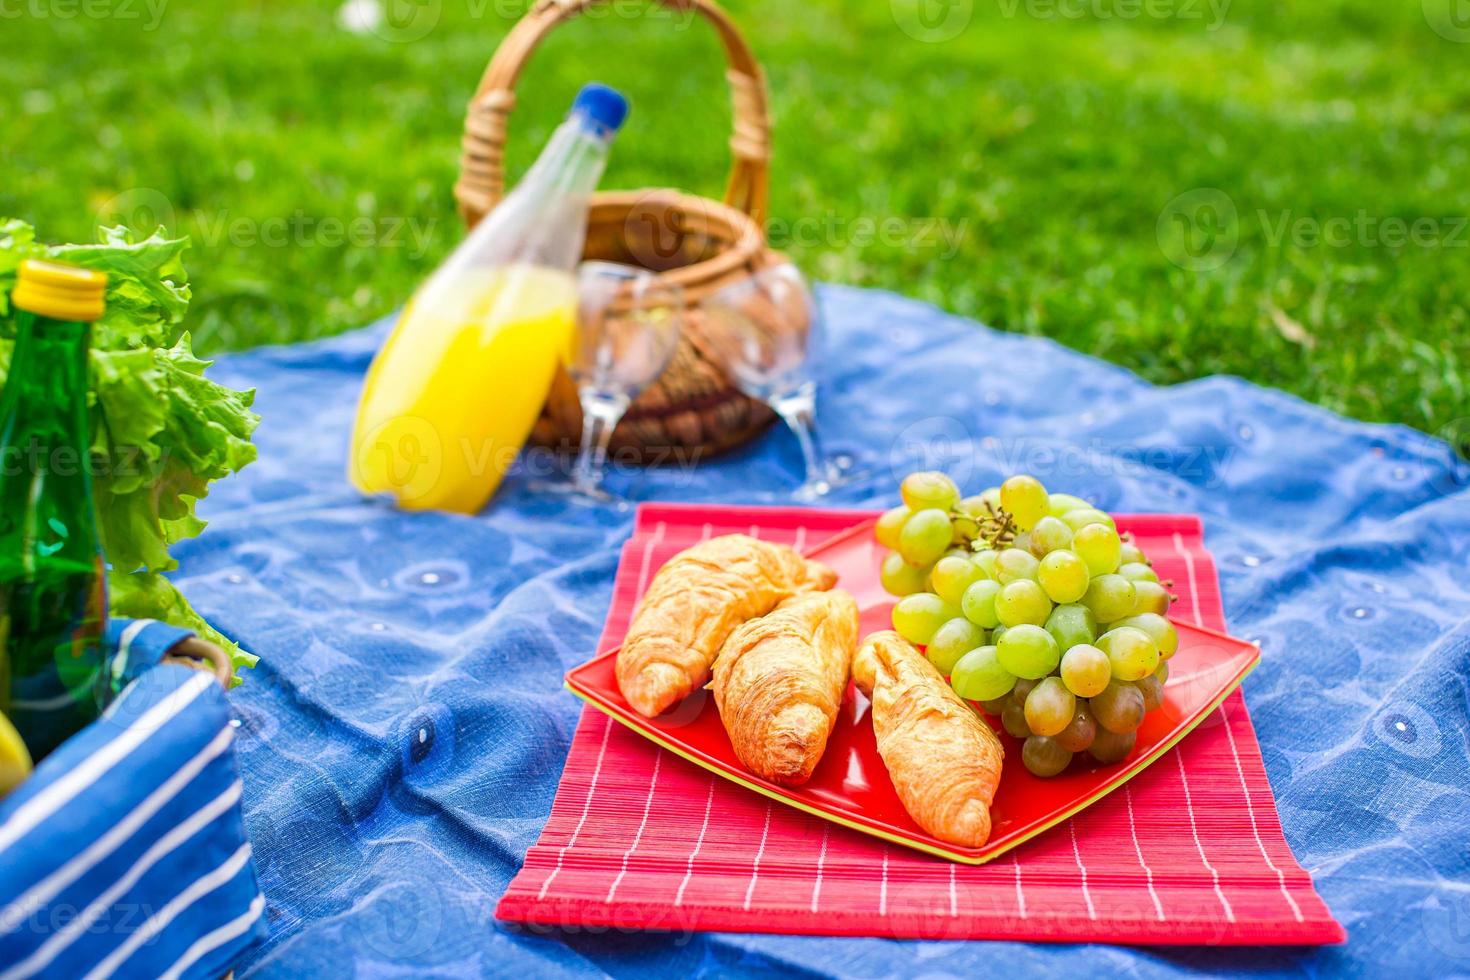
<point x="60" y="290"/>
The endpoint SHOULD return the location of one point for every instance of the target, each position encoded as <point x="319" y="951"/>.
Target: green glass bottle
<point x="53" y="598"/>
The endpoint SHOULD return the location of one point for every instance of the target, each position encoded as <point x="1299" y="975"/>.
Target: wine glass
<point x="766" y="331"/>
<point x="628" y="324"/>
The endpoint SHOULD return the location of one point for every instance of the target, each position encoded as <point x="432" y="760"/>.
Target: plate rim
<point x="969" y="856"/>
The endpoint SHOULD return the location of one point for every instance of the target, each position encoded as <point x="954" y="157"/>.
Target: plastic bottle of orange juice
<point x="452" y="396"/>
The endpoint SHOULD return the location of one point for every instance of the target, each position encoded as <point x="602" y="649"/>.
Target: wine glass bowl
<point x="766" y="332"/>
<point x="762" y="330"/>
<point x="627" y="328"/>
<point x="628" y="325"/>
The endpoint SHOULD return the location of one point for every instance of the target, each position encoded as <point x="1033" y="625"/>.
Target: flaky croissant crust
<point x="942" y="757"/>
<point x="692" y="605"/>
<point x="779" y="682"/>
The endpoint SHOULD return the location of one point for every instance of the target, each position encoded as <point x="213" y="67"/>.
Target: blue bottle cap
<point x="605" y="106"/>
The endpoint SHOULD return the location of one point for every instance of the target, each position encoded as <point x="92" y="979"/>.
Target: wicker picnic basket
<point x="699" y="244"/>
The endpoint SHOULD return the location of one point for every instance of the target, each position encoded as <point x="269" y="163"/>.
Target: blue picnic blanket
<point x="403" y="736"/>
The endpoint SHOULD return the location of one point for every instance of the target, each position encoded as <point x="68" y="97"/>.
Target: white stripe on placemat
<point x="1149" y="872"/>
<point x="51" y="886"/>
<point x="165" y="845"/>
<point x="1077" y="855"/>
<point x="586" y="808"/>
<point x="1194" y="828"/>
<point x="179" y="904"/>
<point x="1020" y="894"/>
<point x="658" y="758"/>
<point x="954" y="899"/>
<point x="755" y="867"/>
<point x="698" y="843"/>
<point x="1189" y="574"/>
<point x="51" y="799"/>
<point x="821" y="860"/>
<point x="883" y="885"/>
<point x="214" y="939"/>
<point x="1255" y="828"/>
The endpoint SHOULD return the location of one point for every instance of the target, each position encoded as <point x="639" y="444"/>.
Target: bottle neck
<point x="543" y="221"/>
<point x="45" y="394"/>
<point x="572" y="162"/>
<point x="51" y="354"/>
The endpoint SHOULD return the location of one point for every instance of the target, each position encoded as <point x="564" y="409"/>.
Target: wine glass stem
<point x="600" y="415"/>
<point x="800" y="413"/>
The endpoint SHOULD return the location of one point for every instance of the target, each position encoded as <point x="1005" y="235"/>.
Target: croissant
<point x="943" y="758"/>
<point x="779" y="681"/>
<point x="693" y="604"/>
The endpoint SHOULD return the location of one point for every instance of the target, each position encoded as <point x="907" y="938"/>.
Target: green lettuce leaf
<point x="166" y="432"/>
<point x="162" y="431"/>
<point x="148" y="595"/>
<point x="147" y="287"/>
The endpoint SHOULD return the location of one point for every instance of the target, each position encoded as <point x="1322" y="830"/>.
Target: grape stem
<point x="995" y="531"/>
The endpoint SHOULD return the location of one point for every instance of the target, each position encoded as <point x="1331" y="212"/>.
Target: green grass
<point x="1050" y="148"/>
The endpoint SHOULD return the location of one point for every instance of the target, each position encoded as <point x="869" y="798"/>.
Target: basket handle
<point x="195" y="652"/>
<point x="482" y="175"/>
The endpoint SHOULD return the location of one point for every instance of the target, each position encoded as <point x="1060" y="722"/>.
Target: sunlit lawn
<point x="1276" y="190"/>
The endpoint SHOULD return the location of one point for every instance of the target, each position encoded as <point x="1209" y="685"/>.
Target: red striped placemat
<point x="1190" y="851"/>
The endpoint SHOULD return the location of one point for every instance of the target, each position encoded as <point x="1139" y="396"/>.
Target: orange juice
<point x="453" y="394"/>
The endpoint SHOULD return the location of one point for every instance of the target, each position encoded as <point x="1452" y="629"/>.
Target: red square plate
<point x="850" y="785"/>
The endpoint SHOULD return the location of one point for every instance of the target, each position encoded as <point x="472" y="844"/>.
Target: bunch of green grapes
<point x="1035" y="606"/>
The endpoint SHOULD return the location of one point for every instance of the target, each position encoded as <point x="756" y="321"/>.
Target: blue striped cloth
<point x="125" y="853"/>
